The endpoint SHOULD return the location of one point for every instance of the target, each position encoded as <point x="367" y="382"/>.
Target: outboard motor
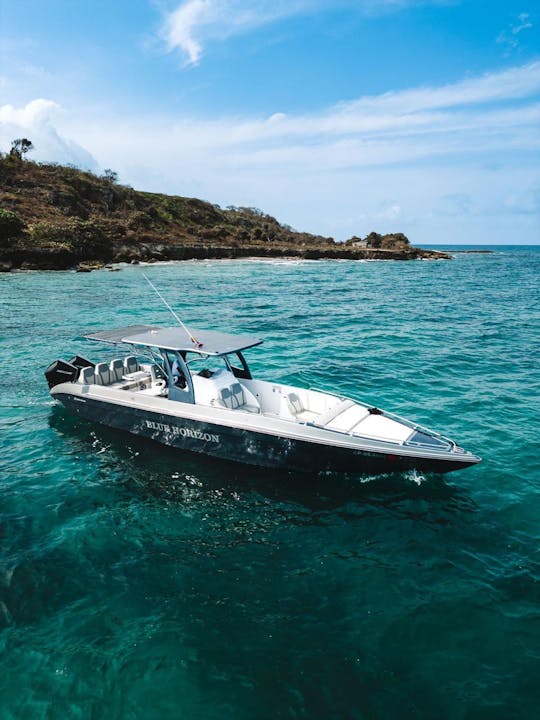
<point x="60" y="371"/>
<point x="81" y="362"/>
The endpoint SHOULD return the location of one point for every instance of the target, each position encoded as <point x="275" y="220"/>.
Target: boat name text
<point x="183" y="431"/>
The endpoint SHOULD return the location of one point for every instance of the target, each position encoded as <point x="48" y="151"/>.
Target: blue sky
<point x="339" y="117"/>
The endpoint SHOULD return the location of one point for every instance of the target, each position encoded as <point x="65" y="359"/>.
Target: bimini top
<point x="176" y="338"/>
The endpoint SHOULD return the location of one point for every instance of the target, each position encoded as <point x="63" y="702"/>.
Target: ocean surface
<point x="137" y="582"/>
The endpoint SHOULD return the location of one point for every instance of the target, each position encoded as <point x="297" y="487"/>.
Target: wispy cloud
<point x="436" y="119"/>
<point x="181" y="26"/>
<point x="509" y="36"/>
<point x="474" y="114"/>
<point x="194" y="23"/>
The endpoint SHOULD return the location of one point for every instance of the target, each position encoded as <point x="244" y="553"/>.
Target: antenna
<point x="160" y="296"/>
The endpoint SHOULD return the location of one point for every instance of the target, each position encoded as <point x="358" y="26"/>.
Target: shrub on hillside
<point x="110" y="176"/>
<point x="139" y="220"/>
<point x="11" y="226"/>
<point x="86" y="239"/>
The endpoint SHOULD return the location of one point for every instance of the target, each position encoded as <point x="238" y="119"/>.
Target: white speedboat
<point x="194" y="391"/>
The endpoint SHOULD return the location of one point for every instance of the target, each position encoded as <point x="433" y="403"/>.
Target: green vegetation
<point x="86" y="239"/>
<point x="110" y="175"/>
<point x="51" y="193"/>
<point x="11" y="226"/>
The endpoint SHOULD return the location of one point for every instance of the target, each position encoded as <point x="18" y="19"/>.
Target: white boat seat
<point x="233" y="397"/>
<point x="333" y="412"/>
<point x="130" y="365"/>
<point x="384" y="428"/>
<point x="295" y="403"/>
<point x="348" y="419"/>
<point x="86" y="376"/>
<point x="102" y="374"/>
<point x="117" y="370"/>
<point x="297" y="409"/>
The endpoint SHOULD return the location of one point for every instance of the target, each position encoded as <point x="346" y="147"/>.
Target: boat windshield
<point x="208" y="365"/>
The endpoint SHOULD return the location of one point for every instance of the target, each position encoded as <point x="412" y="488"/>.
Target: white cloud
<point x="38" y="111"/>
<point x="509" y="36"/>
<point x="382" y="162"/>
<point x="36" y="121"/>
<point x="506" y="85"/>
<point x="471" y="116"/>
<point x="196" y="22"/>
<point x="523" y="24"/>
<point x="180" y="26"/>
<point x="374" y="129"/>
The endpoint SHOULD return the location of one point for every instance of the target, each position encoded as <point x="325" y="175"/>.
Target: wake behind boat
<point x="194" y="391"/>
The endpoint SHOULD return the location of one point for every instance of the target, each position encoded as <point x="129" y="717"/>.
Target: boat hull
<point x="248" y="446"/>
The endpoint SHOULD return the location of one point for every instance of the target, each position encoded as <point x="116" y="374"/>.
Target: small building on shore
<point x="374" y="240"/>
<point x="357" y="242"/>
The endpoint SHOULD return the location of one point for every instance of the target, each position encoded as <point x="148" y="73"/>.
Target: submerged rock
<point x="89" y="266"/>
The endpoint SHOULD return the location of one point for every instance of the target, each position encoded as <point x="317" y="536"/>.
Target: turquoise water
<point x="139" y="582"/>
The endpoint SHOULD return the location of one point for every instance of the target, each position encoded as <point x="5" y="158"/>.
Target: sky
<point x="339" y="117"/>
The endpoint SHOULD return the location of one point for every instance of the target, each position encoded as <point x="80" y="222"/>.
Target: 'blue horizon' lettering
<point x="182" y="431"/>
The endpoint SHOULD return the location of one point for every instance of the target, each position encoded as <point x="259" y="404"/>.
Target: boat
<point x="194" y="391"/>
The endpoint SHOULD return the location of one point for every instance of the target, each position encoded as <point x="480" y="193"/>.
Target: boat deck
<point x="311" y="407"/>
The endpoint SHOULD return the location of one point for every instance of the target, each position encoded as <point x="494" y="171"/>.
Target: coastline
<point x="56" y="217"/>
<point x="54" y="258"/>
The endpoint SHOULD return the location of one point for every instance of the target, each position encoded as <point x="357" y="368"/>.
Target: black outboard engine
<point x="60" y="371"/>
<point x="81" y="362"/>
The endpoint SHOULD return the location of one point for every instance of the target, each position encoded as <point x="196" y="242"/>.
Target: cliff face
<point x="55" y="217"/>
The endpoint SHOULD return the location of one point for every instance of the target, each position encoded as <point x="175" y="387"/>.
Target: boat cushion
<point x="130" y="364"/>
<point x="117" y="370"/>
<point x="348" y="419"/>
<point x="233" y="397"/>
<point x="102" y="374"/>
<point x="306" y="416"/>
<point x="380" y="427"/>
<point x="295" y="403"/>
<point x="333" y="412"/>
<point x="86" y="376"/>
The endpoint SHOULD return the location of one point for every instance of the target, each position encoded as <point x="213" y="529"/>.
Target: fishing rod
<point x="160" y="296"/>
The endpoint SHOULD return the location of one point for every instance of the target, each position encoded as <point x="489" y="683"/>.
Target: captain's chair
<point x="117" y="370"/>
<point x="102" y="374"/>
<point x="130" y="364"/>
<point x="233" y="397"/>
<point x="86" y="376"/>
<point x="297" y="409"/>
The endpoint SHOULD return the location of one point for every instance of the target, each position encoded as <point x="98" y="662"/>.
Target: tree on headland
<point x="110" y="175"/>
<point x="20" y="147"/>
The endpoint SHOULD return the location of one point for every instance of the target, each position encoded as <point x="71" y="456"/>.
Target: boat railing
<point x="450" y="445"/>
<point x="398" y="418"/>
<point x="329" y="392"/>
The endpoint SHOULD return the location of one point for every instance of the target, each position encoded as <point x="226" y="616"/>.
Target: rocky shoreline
<point x="35" y="258"/>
